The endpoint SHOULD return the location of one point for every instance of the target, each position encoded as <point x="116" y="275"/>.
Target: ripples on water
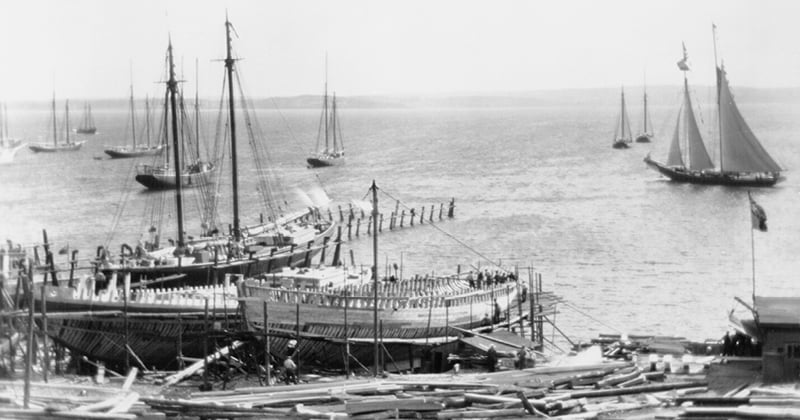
<point x="537" y="185"/>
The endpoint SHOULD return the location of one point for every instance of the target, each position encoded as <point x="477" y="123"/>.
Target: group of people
<point x="486" y="278"/>
<point x="740" y="345"/>
<point x="524" y="358"/>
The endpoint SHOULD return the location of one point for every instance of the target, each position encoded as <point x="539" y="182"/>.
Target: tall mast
<point x="196" y="106"/>
<point x="622" y="118"/>
<point x="374" y="189"/>
<point x="147" y="119"/>
<point x="325" y="105"/>
<point x="133" y="120"/>
<point x="234" y="176"/>
<point x="66" y="117"/>
<point x="172" y="88"/>
<point x="333" y="121"/>
<point x="645" y="112"/>
<point x="55" y="125"/>
<point x="718" y="73"/>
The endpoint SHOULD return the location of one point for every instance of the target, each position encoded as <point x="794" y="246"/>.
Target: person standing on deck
<point x="291" y="370"/>
<point x="497" y="312"/>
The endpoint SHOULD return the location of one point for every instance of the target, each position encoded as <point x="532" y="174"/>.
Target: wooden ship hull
<point x="157" y="325"/>
<point x="644" y="138"/>
<point x="679" y="174"/>
<point x="130" y="152"/>
<point x="322" y="161"/>
<point x="89" y="130"/>
<point x="207" y="270"/>
<point x="620" y="144"/>
<point x="155" y="178"/>
<point x="49" y="148"/>
<point x="411" y="313"/>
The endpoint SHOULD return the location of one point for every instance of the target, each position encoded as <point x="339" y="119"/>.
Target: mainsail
<point x="623" y="130"/>
<point x="740" y="149"/>
<point x="697" y="155"/>
<point x="675" y="157"/>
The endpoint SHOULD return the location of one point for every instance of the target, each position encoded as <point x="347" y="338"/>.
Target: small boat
<point x="68" y="145"/>
<point x="87" y="125"/>
<point x="743" y="160"/>
<point x="646" y="135"/>
<point x="8" y="146"/>
<point x="136" y="150"/>
<point x="622" y="132"/>
<point x="332" y="154"/>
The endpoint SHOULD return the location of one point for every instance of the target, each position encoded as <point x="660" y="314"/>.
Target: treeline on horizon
<point x="657" y="96"/>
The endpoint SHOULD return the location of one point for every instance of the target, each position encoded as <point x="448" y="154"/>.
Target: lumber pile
<point x="586" y="391"/>
<point x="62" y="399"/>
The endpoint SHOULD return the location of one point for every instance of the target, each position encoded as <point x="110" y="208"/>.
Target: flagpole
<point x="752" y="247"/>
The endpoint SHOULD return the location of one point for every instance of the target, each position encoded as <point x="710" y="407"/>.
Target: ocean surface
<point x="535" y="184"/>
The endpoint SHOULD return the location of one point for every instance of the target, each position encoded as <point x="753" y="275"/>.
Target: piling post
<point x="346" y="339"/>
<point x="451" y="208"/>
<point x="205" y="346"/>
<point x="349" y="230"/>
<point x="338" y="248"/>
<point x="369" y="225"/>
<point x="441" y="208"/>
<point x="421" y="214"/>
<point x="267" y="361"/>
<point x="397" y="206"/>
<point x="380" y="226"/>
<point x="392" y="220"/>
<point x="180" y="342"/>
<point x="358" y="227"/>
<point x="402" y="216"/>
<point x="341" y="214"/>
<point x="29" y="354"/>
<point x="125" y="296"/>
<point x="73" y="261"/>
<point x="297" y="327"/>
<point x="352" y="215"/>
<point x="411" y="215"/>
<point x="46" y="358"/>
<point x="430" y="217"/>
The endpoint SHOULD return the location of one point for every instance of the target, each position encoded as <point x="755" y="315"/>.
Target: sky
<point x="87" y="49"/>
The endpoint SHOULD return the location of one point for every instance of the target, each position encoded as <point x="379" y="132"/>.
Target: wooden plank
<point x="189" y="371"/>
<point x="411" y="404"/>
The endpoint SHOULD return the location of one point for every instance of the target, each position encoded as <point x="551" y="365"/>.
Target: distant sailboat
<point x="332" y="154"/>
<point x="8" y="146"/>
<point x="87" y="125"/>
<point x="743" y="160"/>
<point x="622" y="132"/>
<point x="68" y="145"/>
<point x="647" y="130"/>
<point x="140" y="149"/>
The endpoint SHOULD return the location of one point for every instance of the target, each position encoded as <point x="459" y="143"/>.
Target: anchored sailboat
<point x="162" y="176"/>
<point x="647" y="130"/>
<point x="87" y="125"/>
<point x="68" y="145"/>
<point x="743" y="160"/>
<point x="332" y="154"/>
<point x="285" y="239"/>
<point x="136" y="150"/>
<point x="622" y="132"/>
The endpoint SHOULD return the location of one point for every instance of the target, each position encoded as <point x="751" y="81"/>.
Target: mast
<point x="133" y="120"/>
<point x="66" y="116"/>
<point x="719" y="84"/>
<point x="374" y="189"/>
<point x="333" y="122"/>
<point x="196" y="106"/>
<point x="147" y="119"/>
<point x="55" y="125"/>
<point x="325" y="105"/>
<point x="645" y="112"/>
<point x="234" y="177"/>
<point x="172" y="88"/>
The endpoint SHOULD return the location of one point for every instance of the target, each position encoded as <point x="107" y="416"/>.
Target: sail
<point x="623" y="129"/>
<point x="698" y="156"/>
<point x="741" y="150"/>
<point x="675" y="158"/>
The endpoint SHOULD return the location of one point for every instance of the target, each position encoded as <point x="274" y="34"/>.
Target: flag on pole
<point x="683" y="64"/>
<point x="757" y="215"/>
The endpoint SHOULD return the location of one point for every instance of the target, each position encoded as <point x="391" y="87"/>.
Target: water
<point x="534" y="185"/>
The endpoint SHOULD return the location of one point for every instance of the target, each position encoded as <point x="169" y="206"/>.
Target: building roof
<point x="778" y="311"/>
